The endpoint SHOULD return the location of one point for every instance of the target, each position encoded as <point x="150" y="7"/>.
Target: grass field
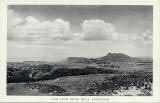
<point x="120" y="78"/>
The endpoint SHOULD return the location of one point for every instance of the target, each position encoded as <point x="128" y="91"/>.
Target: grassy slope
<point x="19" y="89"/>
<point x="74" y="85"/>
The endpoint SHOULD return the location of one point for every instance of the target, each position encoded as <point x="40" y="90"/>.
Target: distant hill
<point x="79" y="60"/>
<point x="35" y="62"/>
<point x="110" y="57"/>
<point x="118" y="57"/>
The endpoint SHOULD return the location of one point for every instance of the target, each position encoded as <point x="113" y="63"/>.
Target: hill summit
<point x="118" y="57"/>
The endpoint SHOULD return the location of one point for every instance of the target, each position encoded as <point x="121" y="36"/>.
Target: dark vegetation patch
<point x="31" y="73"/>
<point x="110" y="85"/>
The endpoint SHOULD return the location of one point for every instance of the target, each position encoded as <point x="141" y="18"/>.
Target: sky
<point x="55" y="32"/>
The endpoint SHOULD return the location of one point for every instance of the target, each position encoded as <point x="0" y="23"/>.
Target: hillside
<point x="118" y="57"/>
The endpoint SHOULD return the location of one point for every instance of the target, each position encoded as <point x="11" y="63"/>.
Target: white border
<point x="156" y="52"/>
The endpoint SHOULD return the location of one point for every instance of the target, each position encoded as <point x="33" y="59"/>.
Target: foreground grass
<point x="120" y="78"/>
<point x="87" y="85"/>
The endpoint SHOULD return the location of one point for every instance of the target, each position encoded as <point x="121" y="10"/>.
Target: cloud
<point x="31" y="27"/>
<point x="119" y="36"/>
<point x="147" y="37"/>
<point x="13" y="18"/>
<point x="96" y="29"/>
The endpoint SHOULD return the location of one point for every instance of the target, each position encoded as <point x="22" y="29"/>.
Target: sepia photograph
<point x="80" y="50"/>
